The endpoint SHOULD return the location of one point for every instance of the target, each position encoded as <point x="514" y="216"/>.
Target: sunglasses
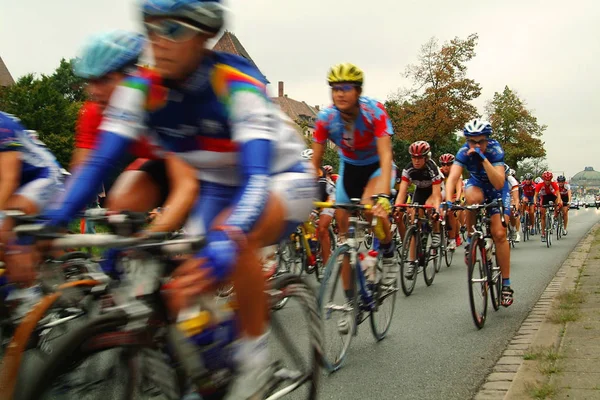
<point x="172" y="30"/>
<point x="476" y="142"/>
<point x="446" y="164"/>
<point x="417" y="157"/>
<point x="344" y="88"/>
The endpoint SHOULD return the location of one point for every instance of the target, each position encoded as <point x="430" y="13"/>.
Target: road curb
<point x="511" y="374"/>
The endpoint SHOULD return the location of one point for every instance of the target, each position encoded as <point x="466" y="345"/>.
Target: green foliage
<point x="331" y="156"/>
<point x="534" y="166"/>
<point x="438" y="103"/>
<point x="515" y="127"/>
<point x="49" y="105"/>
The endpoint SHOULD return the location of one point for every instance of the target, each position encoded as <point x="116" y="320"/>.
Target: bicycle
<point x="447" y="253"/>
<point x="483" y="273"/>
<point x="559" y="224"/>
<point x="153" y="356"/>
<point x="525" y="224"/>
<point x="549" y="218"/>
<point x="420" y="232"/>
<point x="366" y="297"/>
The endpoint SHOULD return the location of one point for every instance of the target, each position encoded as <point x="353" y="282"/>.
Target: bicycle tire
<point x="559" y="223"/>
<point x="331" y="277"/>
<point x="495" y="287"/>
<point x="296" y="287"/>
<point x="389" y="297"/>
<point x="320" y="265"/>
<point x="477" y="270"/>
<point x="408" y="285"/>
<point x="429" y="275"/>
<point x="525" y="227"/>
<point x="548" y="232"/>
<point x="442" y="249"/>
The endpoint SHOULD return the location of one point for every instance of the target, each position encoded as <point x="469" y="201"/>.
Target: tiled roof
<point x="229" y="43"/>
<point x="296" y="109"/>
<point x="5" y="78"/>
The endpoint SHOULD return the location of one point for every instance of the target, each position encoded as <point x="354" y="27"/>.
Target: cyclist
<point x="549" y="191"/>
<point x="484" y="159"/>
<point x="211" y="109"/>
<point x="528" y="194"/>
<point x="515" y="220"/>
<point x="30" y="178"/>
<point x="424" y="173"/>
<point x="565" y="194"/>
<point x="326" y="192"/>
<point x="156" y="178"/>
<point x="446" y="161"/>
<point x="362" y="130"/>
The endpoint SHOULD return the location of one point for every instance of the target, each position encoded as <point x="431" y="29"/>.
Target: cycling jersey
<point x="41" y="176"/>
<point x="357" y="143"/>
<point x="423" y="178"/>
<point x="512" y="182"/>
<point x="87" y="131"/>
<point x="37" y="161"/>
<point x="220" y="121"/>
<point x="564" y="190"/>
<point x="547" y="190"/>
<point x="473" y="164"/>
<point x="528" y="190"/>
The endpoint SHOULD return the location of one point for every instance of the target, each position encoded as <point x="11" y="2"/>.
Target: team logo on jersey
<point x="180" y="131"/>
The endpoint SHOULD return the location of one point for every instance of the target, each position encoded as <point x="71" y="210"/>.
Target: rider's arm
<point x="436" y="195"/>
<point x="453" y="178"/>
<point x="86" y="132"/>
<point x="459" y="189"/>
<point x="401" y="199"/>
<point x="184" y="190"/>
<point x="320" y="137"/>
<point x="10" y="175"/>
<point x="122" y="124"/>
<point x="557" y="191"/>
<point x="383" y="132"/>
<point x="569" y="194"/>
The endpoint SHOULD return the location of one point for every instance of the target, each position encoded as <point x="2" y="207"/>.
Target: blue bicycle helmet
<point x="108" y="52"/>
<point x="477" y="127"/>
<point x="206" y="15"/>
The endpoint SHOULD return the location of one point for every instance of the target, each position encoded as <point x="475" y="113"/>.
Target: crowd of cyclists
<point x="220" y="160"/>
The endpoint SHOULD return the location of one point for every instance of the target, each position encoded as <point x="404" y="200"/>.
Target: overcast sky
<point x="545" y="50"/>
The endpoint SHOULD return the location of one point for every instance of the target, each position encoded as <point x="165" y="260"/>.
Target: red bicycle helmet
<point x="547" y="176"/>
<point x="334" y="177"/>
<point x="446" y="158"/>
<point x="419" y="148"/>
<point x="328" y="169"/>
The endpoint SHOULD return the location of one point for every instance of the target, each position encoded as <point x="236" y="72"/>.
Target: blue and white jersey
<point x="472" y="163"/>
<point x="37" y="161"/>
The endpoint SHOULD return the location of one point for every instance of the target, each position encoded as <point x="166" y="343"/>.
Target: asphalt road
<point x="433" y="350"/>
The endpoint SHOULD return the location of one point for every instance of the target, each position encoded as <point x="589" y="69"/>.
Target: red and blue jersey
<point x="357" y="142"/>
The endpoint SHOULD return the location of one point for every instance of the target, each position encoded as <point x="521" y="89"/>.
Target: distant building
<point x="298" y="111"/>
<point x="586" y="181"/>
<point x="6" y="78"/>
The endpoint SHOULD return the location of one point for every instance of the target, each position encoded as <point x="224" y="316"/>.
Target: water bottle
<point x="488" y="249"/>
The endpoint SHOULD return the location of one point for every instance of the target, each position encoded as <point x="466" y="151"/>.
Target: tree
<point x="515" y="127"/>
<point x="49" y="105"/>
<point x="331" y="156"/>
<point x="534" y="166"/>
<point x="438" y="103"/>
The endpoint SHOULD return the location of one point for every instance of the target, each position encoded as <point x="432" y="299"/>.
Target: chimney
<point x="280" y="88"/>
<point x="317" y="108"/>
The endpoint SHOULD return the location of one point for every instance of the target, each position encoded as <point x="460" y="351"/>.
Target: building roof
<point x="587" y="176"/>
<point x="5" y="77"/>
<point x="296" y="110"/>
<point x="229" y="43"/>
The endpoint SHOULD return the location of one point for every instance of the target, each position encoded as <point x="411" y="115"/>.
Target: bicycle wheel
<point x="525" y="227"/>
<point x="338" y="313"/>
<point x="548" y="232"/>
<point x="432" y="260"/>
<point x="320" y="268"/>
<point x="442" y="249"/>
<point x="495" y="284"/>
<point x="100" y="362"/>
<point x="477" y="280"/>
<point x="408" y="281"/>
<point x="294" y="330"/>
<point x="385" y="304"/>
<point x="559" y="225"/>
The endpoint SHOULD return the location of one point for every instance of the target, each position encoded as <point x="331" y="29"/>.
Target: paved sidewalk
<point x="556" y="352"/>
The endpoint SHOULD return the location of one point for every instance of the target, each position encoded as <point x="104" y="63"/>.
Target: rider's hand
<point x="188" y="281"/>
<point x="478" y="152"/>
<point x="383" y="202"/>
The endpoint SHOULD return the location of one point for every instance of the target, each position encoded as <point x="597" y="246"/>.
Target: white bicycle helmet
<point x="477" y="127"/>
<point x="307" y="154"/>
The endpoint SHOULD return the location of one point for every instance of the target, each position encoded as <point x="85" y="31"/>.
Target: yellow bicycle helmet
<point x="345" y="73"/>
